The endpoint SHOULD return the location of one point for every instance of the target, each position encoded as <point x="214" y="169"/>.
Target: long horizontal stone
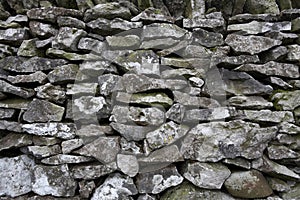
<point x="256" y="27"/>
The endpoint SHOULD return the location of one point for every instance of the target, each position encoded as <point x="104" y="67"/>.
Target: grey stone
<point x="248" y="184"/>
<point x="15" y="140"/>
<point x="63" y="74"/>
<point x="34" y="64"/>
<point x="13" y="36"/>
<point x="68" y="38"/>
<point x="90" y="44"/>
<point x="69" y="145"/>
<point x="153" y="15"/>
<point x="279" y="82"/>
<point x="10" y="126"/>
<point x="196" y="51"/>
<point x="275" y="54"/>
<point x="5" y="50"/>
<point x="42" y="151"/>
<point x="19" y="91"/>
<point x="207" y="39"/>
<point x="44" y="42"/>
<point x="36" y="77"/>
<point x="16" y="103"/>
<point x="249" y="102"/>
<point x="277" y="152"/>
<point x="146" y="197"/>
<point x="90" y="132"/>
<point x="209" y="22"/>
<point x="293" y="54"/>
<point x="131" y="132"/>
<point x="53" y="180"/>
<point x="44" y="140"/>
<point x="50" y="14"/>
<point x="70" y="21"/>
<point x="92" y="171"/>
<point x="86" y="188"/>
<point x="12" y="25"/>
<point x="137" y="115"/>
<point x="7" y="113"/>
<point x="83" y="5"/>
<point x="239" y="162"/>
<point x="217" y="140"/>
<point x="293" y="193"/>
<point x="123" y="42"/>
<point x="287" y="100"/>
<point x="237" y="60"/>
<point x="16" y="175"/>
<point x="174" y="73"/>
<point x="201" y="102"/>
<point x="166" y="134"/>
<point x="262" y="6"/>
<point x="82" y="88"/>
<point x="42" y="30"/>
<point x="286" y="38"/>
<point x="176" y="112"/>
<point x="156" y="30"/>
<point x="104" y="149"/>
<point x="43" y="111"/>
<point x="130" y="147"/>
<point x="28" y="49"/>
<point x="206" y="175"/>
<point x="97" y="67"/>
<point x="288" y="128"/>
<point x="116" y="186"/>
<point x="159" y="180"/>
<point x="195" y="9"/>
<point x="108" y="27"/>
<point x="51" y="92"/>
<point x="65" y="159"/>
<point x="108" y="83"/>
<point x="278" y="184"/>
<point x="274" y="169"/>
<point x="128" y="164"/>
<point x="269" y="116"/>
<point x="250" y="44"/>
<point x="56" y="53"/>
<point x="60" y="130"/>
<point x="292" y="141"/>
<point x="256" y="27"/>
<point x="200" y="64"/>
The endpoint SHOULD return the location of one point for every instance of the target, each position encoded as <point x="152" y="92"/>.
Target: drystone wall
<point x="149" y="99"/>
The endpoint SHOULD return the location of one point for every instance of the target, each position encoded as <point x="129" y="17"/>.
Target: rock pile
<point x="149" y="99"/>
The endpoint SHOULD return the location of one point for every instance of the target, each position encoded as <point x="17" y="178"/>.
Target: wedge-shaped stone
<point x="63" y="74"/>
<point x="153" y="15"/>
<point x="42" y="151"/>
<point x="37" y="77"/>
<point x="162" y="30"/>
<point x="60" y="130"/>
<point x="278" y="152"/>
<point x="15" y="140"/>
<point x="250" y="102"/>
<point x="256" y="27"/>
<point x="13" y="36"/>
<point x="269" y="116"/>
<point x="56" y="53"/>
<point x="70" y="21"/>
<point x="217" y="140"/>
<point x="108" y="83"/>
<point x="272" y="69"/>
<point x="287" y="100"/>
<point x="69" y="145"/>
<point x="65" y="159"/>
<point x="92" y="171"/>
<point x="275" y="54"/>
<point x="250" y="44"/>
<point x="19" y="91"/>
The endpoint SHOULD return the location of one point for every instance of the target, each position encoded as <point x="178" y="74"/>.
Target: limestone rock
<point x="279" y="83"/>
<point x="13" y="36"/>
<point x="86" y="188"/>
<point x="19" y="91"/>
<point x="36" y="77"/>
<point x="153" y="15"/>
<point x="201" y="102"/>
<point x="44" y="140"/>
<point x="97" y="68"/>
<point x="128" y="164"/>
<point x="65" y="159"/>
<point x="123" y="42"/>
<point x="42" y="151"/>
<point x="28" y="49"/>
<point x="249" y="102"/>
<point x="215" y="140"/>
<point x="156" y="30"/>
<point x="256" y="27"/>
<point x="277" y="152"/>
<point x="56" y="181"/>
<point x="51" y="92"/>
<point x="60" y="130"/>
<point x="211" y="21"/>
<point x="176" y="112"/>
<point x="278" y="53"/>
<point x="293" y="193"/>
<point x="250" y="44"/>
<point x="286" y="38"/>
<point x="15" y="140"/>
<point x="16" y="103"/>
<point x="90" y="44"/>
<point x="293" y="54"/>
<point x="63" y="74"/>
<point x="206" y="175"/>
<point x="16" y="175"/>
<point x="248" y="184"/>
<point x="239" y="162"/>
<point x="269" y="116"/>
<point x="10" y="126"/>
<point x="82" y="88"/>
<point x="42" y="30"/>
<point x="131" y="132"/>
<point x="116" y="186"/>
<point x="5" y="50"/>
<point x="207" y="39"/>
<point x="159" y="180"/>
<point x="287" y="100"/>
<point x="288" y="128"/>
<point x="70" y="22"/>
<point x="69" y="145"/>
<point x="56" y="53"/>
<point x="108" y="83"/>
<point x="262" y="6"/>
<point x="91" y="132"/>
<point x="107" y="10"/>
<point x="92" y="171"/>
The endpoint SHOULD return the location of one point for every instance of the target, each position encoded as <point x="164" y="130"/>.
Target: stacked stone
<point x="149" y="99"/>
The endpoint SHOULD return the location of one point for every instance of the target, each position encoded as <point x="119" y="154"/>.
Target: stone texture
<point x="123" y="42"/>
<point x="269" y="116"/>
<point x="131" y="132"/>
<point x="28" y="49"/>
<point x="92" y="171"/>
<point x="15" y="140"/>
<point x="82" y="88"/>
<point x="42" y="151"/>
<point x="54" y="93"/>
<point x="22" y="92"/>
<point x="156" y="30"/>
<point x="7" y="113"/>
<point x="293" y="52"/>
<point x="153" y="15"/>
<point x="128" y="164"/>
<point x="13" y="36"/>
<point x="256" y="27"/>
<point x="212" y="21"/>
<point x="249" y="102"/>
<point x="277" y="152"/>
<point x="37" y="77"/>
<point x="60" y="159"/>
<point x="90" y="44"/>
<point x="70" y="21"/>
<point x="63" y="74"/>
<point x="287" y="100"/>
<point x="263" y="6"/>
<point x="69" y="145"/>
<point x="42" y="30"/>
<point x="206" y="38"/>
<point x="201" y="102"/>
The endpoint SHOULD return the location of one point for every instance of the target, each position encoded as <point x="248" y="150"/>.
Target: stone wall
<point x="141" y="99"/>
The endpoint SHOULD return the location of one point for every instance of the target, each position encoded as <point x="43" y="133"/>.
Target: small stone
<point x="201" y="102"/>
<point x="44" y="43"/>
<point x="293" y="54"/>
<point x="36" y="77"/>
<point x="108" y="83"/>
<point x="278" y="184"/>
<point x="201" y="64"/>
<point x="51" y="92"/>
<point x="249" y="102"/>
<point x="28" y="49"/>
<point x="13" y="36"/>
<point x="130" y="147"/>
<point x="128" y="164"/>
<point x="97" y="68"/>
<point x="69" y="145"/>
<point x="104" y="149"/>
<point x="19" y="91"/>
<point x="131" y="132"/>
<point x="115" y="186"/>
<point x="288" y="128"/>
<point x="43" y="111"/>
<point x="7" y="113"/>
<point x="286" y="38"/>
<point x="5" y="50"/>
<point x="156" y="30"/>
<point x="63" y="74"/>
<point x="60" y="130"/>
<point x="206" y="175"/>
<point x="287" y="100"/>
<point x="90" y="44"/>
<point x="16" y="175"/>
<point x="279" y="82"/>
<point x="238" y="60"/>
<point x="65" y="159"/>
<point x="159" y="180"/>
<point x="207" y="39"/>
<point x="91" y="132"/>
<point x="14" y="140"/>
<point x="53" y="180"/>
<point x="248" y="184"/>
<point x="10" y="126"/>
<point x="92" y="171"/>
<point x="81" y="88"/>
<point x="123" y="42"/>
<point x="42" y="30"/>
<point x="275" y="54"/>
<point x="70" y="22"/>
<point x="68" y="38"/>
<point x="269" y="116"/>
<point x="42" y="151"/>
<point x="250" y="44"/>
<point x="276" y="152"/>
<point x="196" y="51"/>
<point x="86" y="188"/>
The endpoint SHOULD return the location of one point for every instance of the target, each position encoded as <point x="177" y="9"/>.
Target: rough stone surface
<point x="87" y="172"/>
<point x="11" y="89"/>
<point x="128" y="164"/>
<point x="14" y="140"/>
<point x="287" y="100"/>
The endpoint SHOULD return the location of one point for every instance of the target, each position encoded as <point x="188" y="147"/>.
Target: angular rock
<point x="272" y="68"/>
<point x="274" y="169"/>
<point x="65" y="159"/>
<point x="104" y="149"/>
<point x="238" y="60"/>
<point x="43" y="111"/>
<point x="263" y="6"/>
<point x="248" y="184"/>
<point x="44" y="140"/>
<point x="287" y="100"/>
<point x="68" y="38"/>
<point x="7" y="113"/>
<point x="275" y="54"/>
<point x="28" y="49"/>
<point x="207" y="39"/>
<point x="60" y="130"/>
<point x="286" y="38"/>
<point x="250" y="44"/>
<point x="70" y="22"/>
<point x="206" y="175"/>
<point x="42" y="30"/>
<point x="69" y="145"/>
<point x="5" y="50"/>
<point x="90" y="44"/>
<point x="108" y="27"/>
<point x="146" y="197"/>
<point x="42" y="151"/>
<point x="278" y="184"/>
<point x="44" y="43"/>
<point x="89" y="133"/>
<point x="136" y="115"/>
<point x="108" y="83"/>
<point x="16" y="103"/>
<point x="174" y="73"/>
<point x="153" y="15"/>
<point x="51" y="92"/>
<point x="19" y="91"/>
<point x="13" y="36"/>
<point x="131" y="132"/>
<point x="16" y="175"/>
<point x="166" y="134"/>
<point x="81" y="88"/>
<point x="98" y="68"/>
<point x="276" y="152"/>
<point x="176" y="112"/>
<point x="123" y="42"/>
<point x="269" y="116"/>
<point x="206" y="23"/>
<point x="128" y="164"/>
<point x="249" y="102"/>
<point x="63" y="74"/>
<point x="86" y="188"/>
<point x="14" y="140"/>
<point x="10" y="126"/>
<point x="196" y="51"/>
<point x="92" y="171"/>
<point x="216" y="140"/>
<point x="56" y="181"/>
<point x="116" y="186"/>
<point x="201" y="102"/>
<point x="159" y="180"/>
<point x="56" y="53"/>
<point x="156" y="30"/>
<point x="288" y="128"/>
<point x="293" y="193"/>
<point x="239" y="162"/>
<point x="50" y="14"/>
<point x="256" y="27"/>
<point x="200" y="64"/>
<point x="279" y="83"/>
<point x="36" y="77"/>
<point x="293" y="54"/>
<point x="31" y="65"/>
